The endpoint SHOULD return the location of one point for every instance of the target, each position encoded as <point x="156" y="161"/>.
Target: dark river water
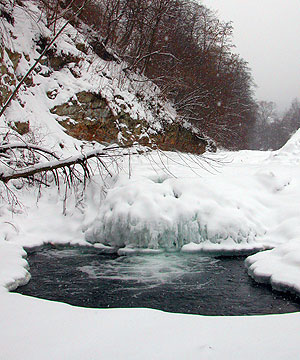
<point x="174" y="282"/>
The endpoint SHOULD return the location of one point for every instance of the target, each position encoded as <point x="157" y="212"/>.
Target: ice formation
<point x="170" y="201"/>
<point x="169" y="209"/>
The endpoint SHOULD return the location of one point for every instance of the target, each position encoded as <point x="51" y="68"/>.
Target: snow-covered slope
<point x="73" y="90"/>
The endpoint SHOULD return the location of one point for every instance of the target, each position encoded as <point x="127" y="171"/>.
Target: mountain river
<point x="175" y="282"/>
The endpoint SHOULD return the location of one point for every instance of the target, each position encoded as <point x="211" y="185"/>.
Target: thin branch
<point x="6" y="147"/>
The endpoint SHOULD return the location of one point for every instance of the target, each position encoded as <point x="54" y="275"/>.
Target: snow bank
<point x="141" y="212"/>
<point x="290" y="152"/>
<point x="279" y="267"/>
<point x="170" y="201"/>
<point x="33" y="329"/>
<point x="13" y="266"/>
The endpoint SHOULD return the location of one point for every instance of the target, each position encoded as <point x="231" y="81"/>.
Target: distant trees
<point x="271" y="131"/>
<point x="262" y="137"/>
<point x="291" y="118"/>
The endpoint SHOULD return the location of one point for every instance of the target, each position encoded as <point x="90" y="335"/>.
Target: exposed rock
<point x="29" y="81"/>
<point x="5" y="93"/>
<point x="100" y="49"/>
<point x="176" y="137"/>
<point x="1" y="53"/>
<point x="14" y="57"/>
<point x="7" y="80"/>
<point x="21" y="127"/>
<point x="89" y="117"/>
<point x="7" y="16"/>
<point x="84" y="106"/>
<point x="44" y="61"/>
<point x="88" y="98"/>
<point x="82" y="47"/>
<point x="3" y="70"/>
<point x="91" y="130"/>
<point x="57" y="62"/>
<point x="52" y="94"/>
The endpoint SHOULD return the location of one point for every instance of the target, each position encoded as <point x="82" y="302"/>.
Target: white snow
<point x="13" y="267"/>
<point x="37" y="329"/>
<point x="234" y="203"/>
<point x="170" y="200"/>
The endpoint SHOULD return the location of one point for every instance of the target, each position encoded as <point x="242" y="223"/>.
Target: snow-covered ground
<point x="264" y="187"/>
<point x="38" y="329"/>
<point x="232" y="202"/>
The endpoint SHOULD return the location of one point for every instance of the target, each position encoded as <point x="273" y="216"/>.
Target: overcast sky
<point x="267" y="35"/>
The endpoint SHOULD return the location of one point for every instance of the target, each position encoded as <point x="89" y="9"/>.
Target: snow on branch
<point x="26" y="172"/>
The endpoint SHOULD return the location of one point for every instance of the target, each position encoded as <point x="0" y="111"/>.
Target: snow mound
<point x="13" y="266"/>
<point x="279" y="267"/>
<point x="154" y="209"/>
<point x="290" y="152"/>
<point x="144" y="213"/>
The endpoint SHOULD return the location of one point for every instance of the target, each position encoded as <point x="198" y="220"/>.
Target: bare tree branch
<point x="28" y="171"/>
<point x="21" y="145"/>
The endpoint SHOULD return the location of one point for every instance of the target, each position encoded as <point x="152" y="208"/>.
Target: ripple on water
<point x="186" y="283"/>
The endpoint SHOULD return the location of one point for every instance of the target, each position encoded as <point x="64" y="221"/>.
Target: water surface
<point x="175" y="282"/>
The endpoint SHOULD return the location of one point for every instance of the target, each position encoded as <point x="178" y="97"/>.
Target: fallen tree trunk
<point x="26" y="172"/>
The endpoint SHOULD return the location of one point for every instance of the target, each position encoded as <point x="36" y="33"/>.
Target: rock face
<point x="88" y="116"/>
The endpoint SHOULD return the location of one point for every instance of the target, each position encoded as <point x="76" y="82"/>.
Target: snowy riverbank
<point x="38" y="329"/>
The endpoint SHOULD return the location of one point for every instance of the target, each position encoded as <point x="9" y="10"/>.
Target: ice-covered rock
<point x="153" y="209"/>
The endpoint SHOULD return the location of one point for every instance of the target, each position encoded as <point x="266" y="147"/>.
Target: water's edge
<point x="192" y="282"/>
<point x="277" y="286"/>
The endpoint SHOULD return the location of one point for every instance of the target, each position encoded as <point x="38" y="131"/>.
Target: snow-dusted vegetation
<point x="79" y="165"/>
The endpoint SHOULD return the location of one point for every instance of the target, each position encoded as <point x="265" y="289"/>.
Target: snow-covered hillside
<point x="73" y="90"/>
